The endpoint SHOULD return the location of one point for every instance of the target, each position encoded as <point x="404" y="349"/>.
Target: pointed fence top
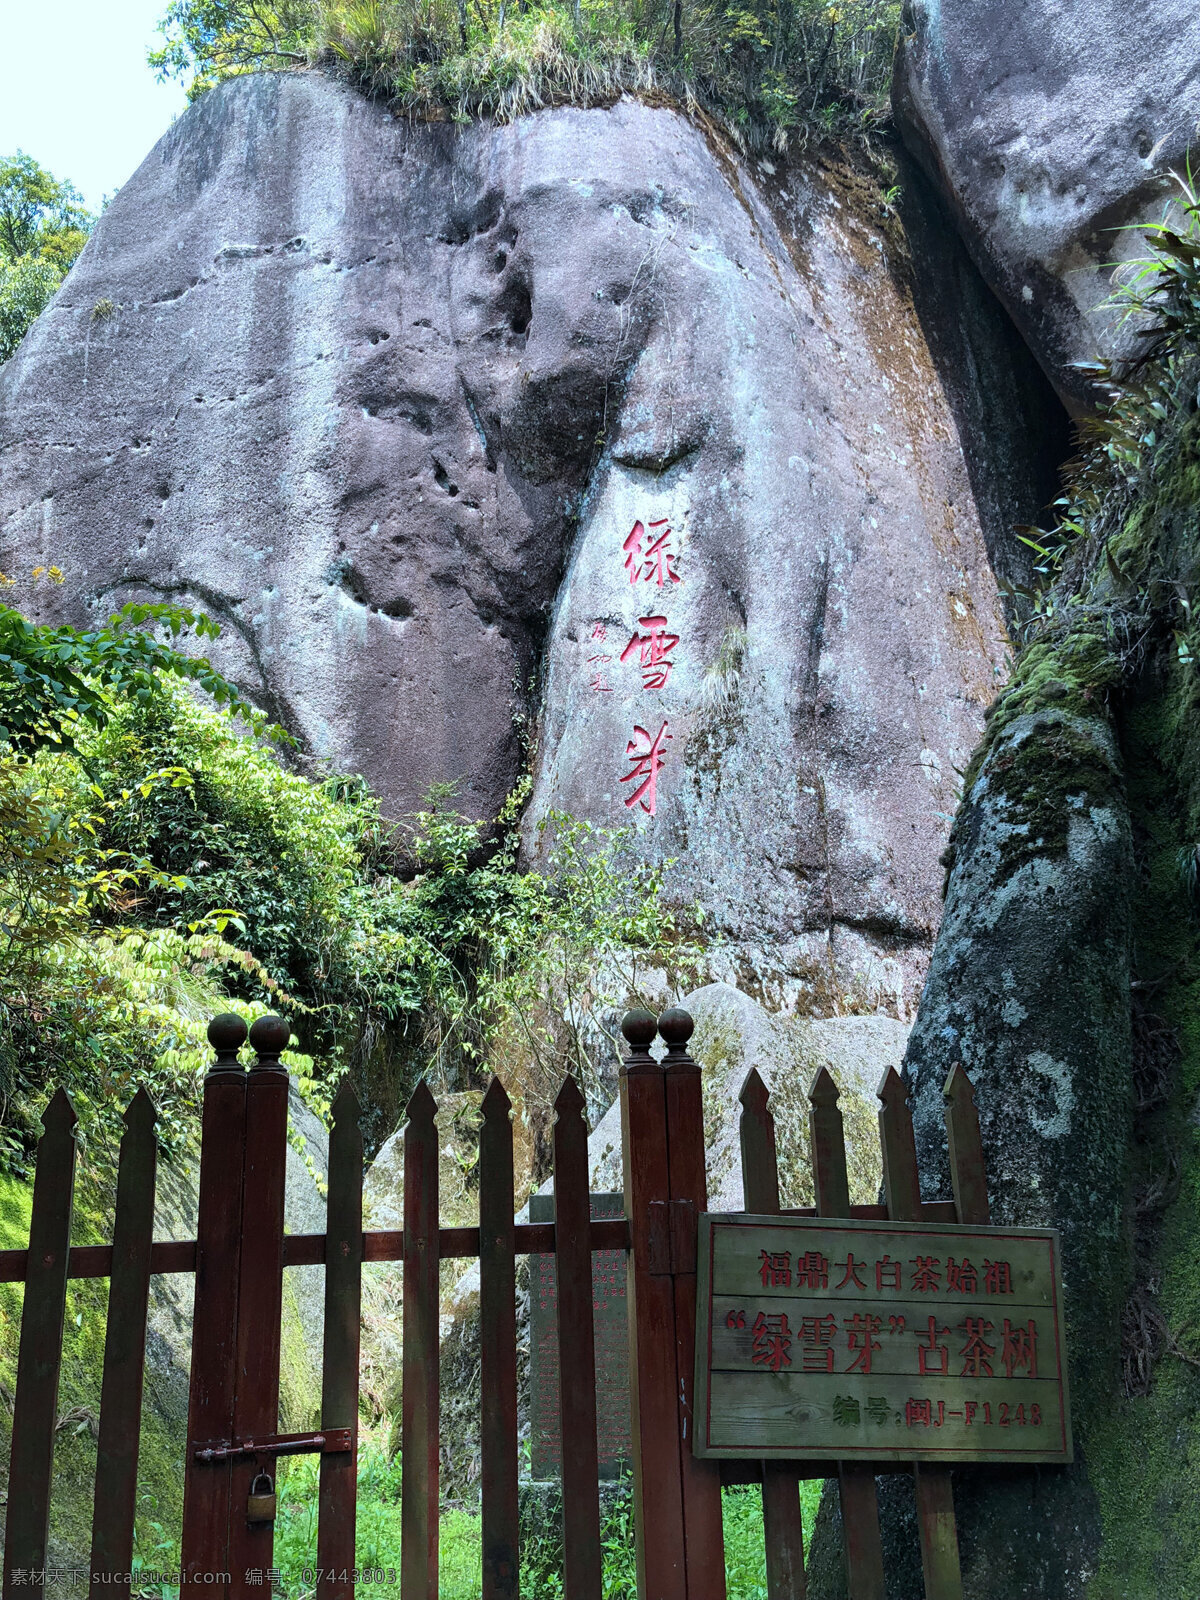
<point x="59" y="1115"/>
<point x="958" y="1086"/>
<point x="569" y="1101"/>
<point x="141" y="1112"/>
<point x="345" y="1106"/>
<point x="495" y="1102"/>
<point x="823" y="1091"/>
<point x="755" y="1094"/>
<point x="892" y="1090"/>
<point x="421" y="1107"/>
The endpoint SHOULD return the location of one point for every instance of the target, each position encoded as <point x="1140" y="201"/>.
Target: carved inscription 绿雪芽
<point x="892" y="1341"/>
<point x="610" y="1321"/>
<point x="651" y="557"/>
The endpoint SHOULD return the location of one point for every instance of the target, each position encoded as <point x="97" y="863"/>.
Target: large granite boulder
<point x="1029" y="989"/>
<point x="390" y="400"/>
<point x="1050" y="128"/>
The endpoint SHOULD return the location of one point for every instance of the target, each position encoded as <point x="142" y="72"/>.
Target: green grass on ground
<point x="459" y="1560"/>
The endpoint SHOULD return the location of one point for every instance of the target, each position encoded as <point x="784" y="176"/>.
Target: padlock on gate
<point x="260" y="1507"/>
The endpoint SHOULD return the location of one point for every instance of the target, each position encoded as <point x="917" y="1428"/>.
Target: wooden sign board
<point x="879" y="1341"/>
<point x="610" y="1322"/>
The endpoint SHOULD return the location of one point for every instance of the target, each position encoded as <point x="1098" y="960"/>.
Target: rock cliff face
<point x="1050" y="128"/>
<point x="392" y="403"/>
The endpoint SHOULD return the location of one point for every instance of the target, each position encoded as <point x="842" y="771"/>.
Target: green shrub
<point x="158" y="863"/>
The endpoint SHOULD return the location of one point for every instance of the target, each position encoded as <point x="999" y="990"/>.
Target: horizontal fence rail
<point x="454" y="1244"/>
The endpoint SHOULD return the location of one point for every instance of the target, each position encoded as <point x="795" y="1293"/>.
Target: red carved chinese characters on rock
<point x="646" y="764"/>
<point x="652" y="647"/>
<point x="599" y="679"/>
<point x="648" y="555"/>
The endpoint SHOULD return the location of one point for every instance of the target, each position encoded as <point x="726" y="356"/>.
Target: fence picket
<point x="576" y="1347"/>
<point x="657" y="1490"/>
<point x="339" y="1361"/>
<point x="701" y="1480"/>
<point x="31" y="1459"/>
<point x="260" y="1287"/>
<point x="783" y="1524"/>
<point x="856" y="1479"/>
<point x="214" y="1315"/>
<point x="498" y="1349"/>
<point x="124" y="1351"/>
<point x="968" y="1171"/>
<point x="935" y="1496"/>
<point x="421" y="1359"/>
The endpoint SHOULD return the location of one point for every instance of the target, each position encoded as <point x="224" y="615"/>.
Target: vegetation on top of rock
<point x="43" y="227"/>
<point x="1114" y="576"/>
<point x="767" y="71"/>
<point x="1158" y="297"/>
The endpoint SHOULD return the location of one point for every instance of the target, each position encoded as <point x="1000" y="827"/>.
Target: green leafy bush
<point x="88" y="998"/>
<point x="155" y="854"/>
<point x="401" y="950"/>
<point x="766" y="69"/>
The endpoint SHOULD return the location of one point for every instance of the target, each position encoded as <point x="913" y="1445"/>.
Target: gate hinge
<point x="671" y="1237"/>
<point x="328" y="1441"/>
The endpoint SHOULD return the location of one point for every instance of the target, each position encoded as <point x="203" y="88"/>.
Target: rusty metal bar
<point x="420" y="1401"/>
<point x="329" y="1441"/>
<point x="336" y="1522"/>
<point x="783" y="1522"/>
<point x="115" y="1503"/>
<point x="31" y="1458"/>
